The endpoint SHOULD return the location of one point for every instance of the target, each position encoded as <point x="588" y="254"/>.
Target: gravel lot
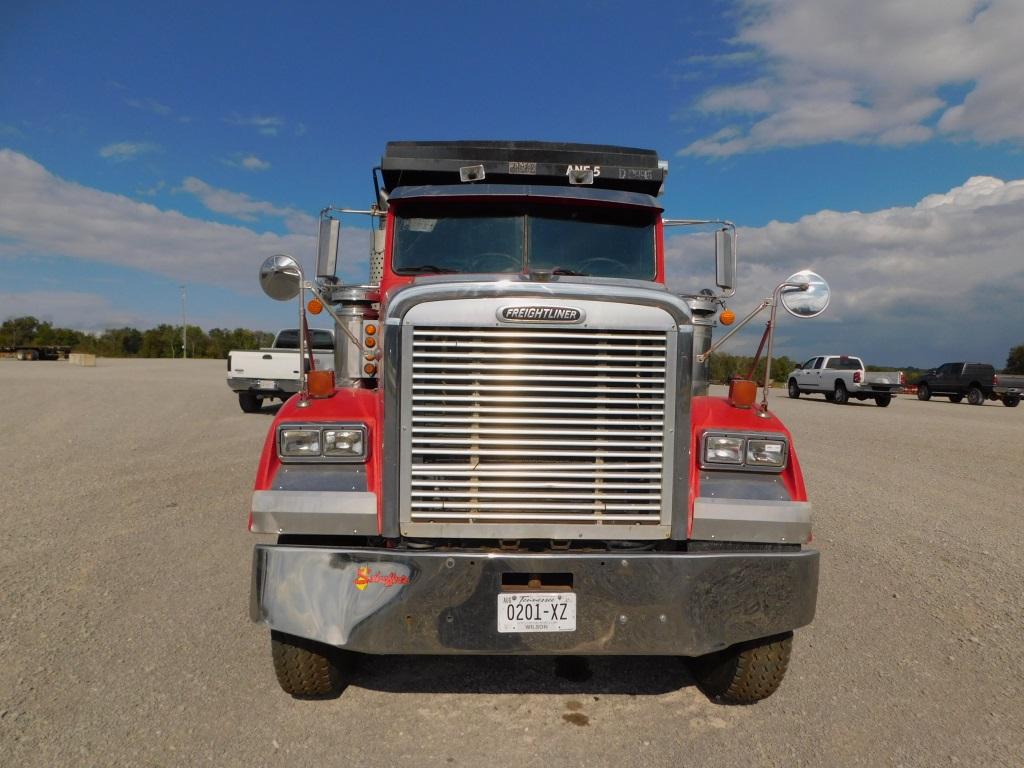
<point x="125" y="637"/>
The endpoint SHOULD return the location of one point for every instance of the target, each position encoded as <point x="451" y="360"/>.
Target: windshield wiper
<point x="568" y="272"/>
<point x="425" y="269"/>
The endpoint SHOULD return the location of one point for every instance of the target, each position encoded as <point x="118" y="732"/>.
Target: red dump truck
<point x="516" y="452"/>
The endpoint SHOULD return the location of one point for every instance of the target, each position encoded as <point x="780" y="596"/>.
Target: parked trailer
<point x="37" y="351"/>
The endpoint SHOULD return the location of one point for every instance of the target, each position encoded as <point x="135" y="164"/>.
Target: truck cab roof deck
<point x="416" y="163"/>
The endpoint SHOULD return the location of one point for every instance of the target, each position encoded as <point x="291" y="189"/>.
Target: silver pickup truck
<point x="840" y="377"/>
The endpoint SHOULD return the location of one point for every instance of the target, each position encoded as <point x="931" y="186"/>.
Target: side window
<point x="817" y="362"/>
<point x="809" y="363"/>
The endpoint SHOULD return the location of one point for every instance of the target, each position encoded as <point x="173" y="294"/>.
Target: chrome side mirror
<point x="725" y="258"/>
<point x="805" y="294"/>
<point x="327" y="247"/>
<point x="281" y="277"/>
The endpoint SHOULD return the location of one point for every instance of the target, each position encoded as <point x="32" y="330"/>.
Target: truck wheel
<point x="1011" y="402"/>
<point x="883" y="401"/>
<point x="306" y="669"/>
<point x="744" y="673"/>
<point x="794" y="390"/>
<point x="840" y="396"/>
<point x="250" y="402"/>
<point x="923" y="393"/>
<point x="955" y="398"/>
<point x="975" y="396"/>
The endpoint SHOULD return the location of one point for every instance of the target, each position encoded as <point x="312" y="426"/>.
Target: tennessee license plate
<point x="537" y="612"/>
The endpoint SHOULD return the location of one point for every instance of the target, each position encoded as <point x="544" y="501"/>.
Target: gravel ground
<point x="124" y="585"/>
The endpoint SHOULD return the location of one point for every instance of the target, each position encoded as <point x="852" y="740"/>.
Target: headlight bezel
<point x="322" y="457"/>
<point x="745" y="464"/>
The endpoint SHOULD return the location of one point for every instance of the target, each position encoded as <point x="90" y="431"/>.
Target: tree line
<point x="165" y="341"/>
<point x="162" y="341"/>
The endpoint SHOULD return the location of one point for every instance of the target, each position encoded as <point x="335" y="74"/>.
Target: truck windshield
<point x="433" y="238"/>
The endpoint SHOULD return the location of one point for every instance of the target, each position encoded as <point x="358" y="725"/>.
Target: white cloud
<point x="44" y="215"/>
<point x="149" y="105"/>
<point x="268" y="125"/>
<point x="242" y="207"/>
<point x="81" y="311"/>
<point x="248" y="162"/>
<point x="941" y="279"/>
<point x="846" y="70"/>
<point x="127" y="150"/>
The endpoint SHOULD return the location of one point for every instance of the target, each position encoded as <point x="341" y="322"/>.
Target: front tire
<point x="745" y="673"/>
<point x="307" y="669"/>
<point x="923" y="393"/>
<point x="250" y="402"/>
<point x="975" y="396"/>
<point x="882" y="401"/>
<point x="1011" y="402"/>
<point x="840" y="396"/>
<point x="794" y="390"/>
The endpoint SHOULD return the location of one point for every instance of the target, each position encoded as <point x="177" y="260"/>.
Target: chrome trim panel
<point x="486" y="404"/>
<point x="337" y="513"/>
<point x="748" y="520"/>
<point x="320" y="477"/>
<point x="386" y="601"/>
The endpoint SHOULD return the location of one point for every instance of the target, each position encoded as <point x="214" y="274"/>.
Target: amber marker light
<point x="728" y="317"/>
<point x="371" y="342"/>
<point x="371" y="330"/>
<point x="315" y="306"/>
<point x="369" y="369"/>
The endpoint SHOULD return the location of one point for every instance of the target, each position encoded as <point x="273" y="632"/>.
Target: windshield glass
<point x="433" y="238"/>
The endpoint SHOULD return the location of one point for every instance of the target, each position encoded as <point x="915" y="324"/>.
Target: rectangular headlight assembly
<point x="323" y="443"/>
<point x="755" y="453"/>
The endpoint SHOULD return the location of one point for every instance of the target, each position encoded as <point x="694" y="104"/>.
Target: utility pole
<point x="184" y="332"/>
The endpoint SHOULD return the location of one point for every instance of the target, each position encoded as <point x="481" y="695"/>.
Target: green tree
<point x="1015" y="360"/>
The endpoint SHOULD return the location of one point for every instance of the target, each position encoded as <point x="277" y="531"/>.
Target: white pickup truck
<point x="258" y="375"/>
<point x="840" y="377"/>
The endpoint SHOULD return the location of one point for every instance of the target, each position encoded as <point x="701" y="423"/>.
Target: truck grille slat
<point x="536" y="425"/>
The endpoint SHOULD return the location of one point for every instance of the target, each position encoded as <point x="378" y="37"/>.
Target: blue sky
<point x="140" y="150"/>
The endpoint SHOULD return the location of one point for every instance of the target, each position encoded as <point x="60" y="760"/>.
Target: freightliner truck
<point x="516" y="452"/>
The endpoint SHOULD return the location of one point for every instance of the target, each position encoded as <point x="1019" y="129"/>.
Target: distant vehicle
<point x="977" y="382"/>
<point x="37" y="351"/>
<point x="258" y="375"/>
<point x="840" y="377"/>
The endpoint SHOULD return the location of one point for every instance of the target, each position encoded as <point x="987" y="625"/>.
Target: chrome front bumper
<point x="652" y="603"/>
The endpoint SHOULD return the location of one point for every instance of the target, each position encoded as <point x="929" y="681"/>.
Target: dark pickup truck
<point x="977" y="382"/>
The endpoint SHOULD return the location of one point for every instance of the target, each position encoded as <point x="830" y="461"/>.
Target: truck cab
<point x="518" y="454"/>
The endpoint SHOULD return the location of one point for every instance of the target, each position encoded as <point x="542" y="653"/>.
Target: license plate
<point x="537" y="612"/>
<point x="267" y="384"/>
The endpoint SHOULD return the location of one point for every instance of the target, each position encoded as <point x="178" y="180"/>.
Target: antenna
<point x="184" y="327"/>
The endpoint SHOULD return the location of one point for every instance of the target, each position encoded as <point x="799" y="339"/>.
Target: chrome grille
<point x="536" y="425"/>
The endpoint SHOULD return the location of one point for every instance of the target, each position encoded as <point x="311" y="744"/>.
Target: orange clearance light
<point x="371" y="342"/>
<point x="371" y="330"/>
<point x="320" y="383"/>
<point x="728" y="317"/>
<point x="369" y="369"/>
<point x="742" y="393"/>
<point x="315" y="306"/>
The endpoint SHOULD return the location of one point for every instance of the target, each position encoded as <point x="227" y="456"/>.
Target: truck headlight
<point x="750" y="452"/>
<point x="719" y="449"/>
<point x="766" y="453"/>
<point x="346" y="443"/>
<point x="299" y="442"/>
<point x="322" y="443"/>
